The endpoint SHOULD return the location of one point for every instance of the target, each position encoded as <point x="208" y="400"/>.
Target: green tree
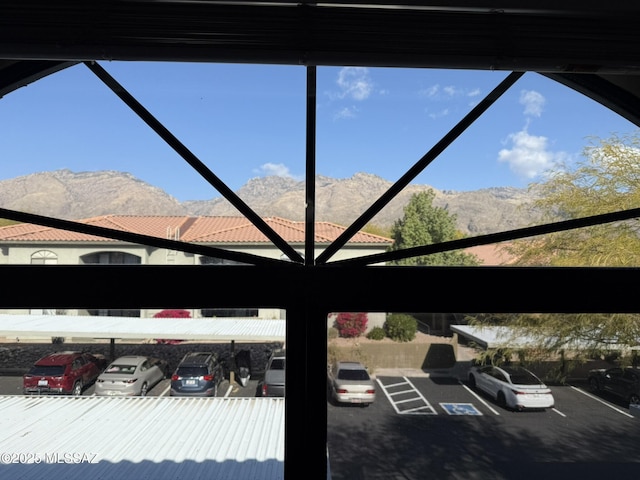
<point x="425" y="224"/>
<point x="606" y="180"/>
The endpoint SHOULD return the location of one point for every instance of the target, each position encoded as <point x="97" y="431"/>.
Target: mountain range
<point x="76" y="195"/>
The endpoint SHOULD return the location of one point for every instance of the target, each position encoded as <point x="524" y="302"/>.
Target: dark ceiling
<point x="592" y="46"/>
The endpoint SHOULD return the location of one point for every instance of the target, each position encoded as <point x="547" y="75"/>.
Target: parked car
<point x="131" y="375"/>
<point x="273" y="384"/>
<point x="622" y="382"/>
<point x="349" y="382"/>
<point x="512" y="387"/>
<point x="198" y="375"/>
<point x="63" y="373"/>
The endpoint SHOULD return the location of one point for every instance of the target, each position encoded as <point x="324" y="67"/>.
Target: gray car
<point x="131" y="375"/>
<point x="273" y="384"/>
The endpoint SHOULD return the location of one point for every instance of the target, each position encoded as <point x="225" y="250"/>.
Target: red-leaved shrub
<point x="351" y="325"/>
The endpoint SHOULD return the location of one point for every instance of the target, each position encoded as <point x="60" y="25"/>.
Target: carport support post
<point x="112" y="349"/>
<point x="232" y="363"/>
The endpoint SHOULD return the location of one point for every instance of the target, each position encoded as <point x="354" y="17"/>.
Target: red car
<point x="63" y="373"/>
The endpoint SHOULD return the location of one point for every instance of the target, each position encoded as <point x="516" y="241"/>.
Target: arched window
<point x="44" y="257"/>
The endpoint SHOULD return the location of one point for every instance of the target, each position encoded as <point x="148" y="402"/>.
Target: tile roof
<point x="187" y="229"/>
<point x="492" y="255"/>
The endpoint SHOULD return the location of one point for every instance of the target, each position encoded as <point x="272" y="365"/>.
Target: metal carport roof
<point x="77" y="438"/>
<point x="223" y="329"/>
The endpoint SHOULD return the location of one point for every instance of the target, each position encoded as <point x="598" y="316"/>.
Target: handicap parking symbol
<point x="460" y="409"/>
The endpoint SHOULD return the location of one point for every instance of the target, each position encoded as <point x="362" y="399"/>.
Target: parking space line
<point x="400" y="392"/>
<point x="480" y="399"/>
<point x="607" y="404"/>
<point x="229" y="390"/>
<point x="423" y="407"/>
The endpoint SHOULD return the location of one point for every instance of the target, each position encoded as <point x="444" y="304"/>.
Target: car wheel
<point x="144" y="389"/>
<point x="634" y="399"/>
<point x="472" y="381"/>
<point x="594" y="385"/>
<point x="77" y="389"/>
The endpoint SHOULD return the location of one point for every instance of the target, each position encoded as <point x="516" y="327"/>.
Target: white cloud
<point x="533" y="102"/>
<point x="430" y="92"/>
<point x="354" y="83"/>
<point x="436" y="92"/>
<point x="275" y="169"/>
<point x="529" y="156"/>
<point x="346" y="112"/>
<point x="451" y="91"/>
<point x="441" y="113"/>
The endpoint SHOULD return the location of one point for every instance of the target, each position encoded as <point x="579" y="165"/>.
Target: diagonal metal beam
<point x="139" y="239"/>
<point x="192" y="160"/>
<point x="492" y="238"/>
<point x="417" y="168"/>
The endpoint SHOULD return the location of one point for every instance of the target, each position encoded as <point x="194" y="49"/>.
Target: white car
<point x="512" y="387"/>
<point x="349" y="382"/>
<point x="131" y="375"/>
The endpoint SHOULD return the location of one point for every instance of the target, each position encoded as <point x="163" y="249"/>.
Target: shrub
<point x="401" y="327"/>
<point x="350" y="325"/>
<point x="332" y="333"/>
<point x="171" y="314"/>
<point x="376" y="333"/>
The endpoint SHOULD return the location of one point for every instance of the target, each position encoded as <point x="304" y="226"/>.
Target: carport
<point x="135" y="328"/>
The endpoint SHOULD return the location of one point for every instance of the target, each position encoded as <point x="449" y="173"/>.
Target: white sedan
<point x="131" y="375"/>
<point x="512" y="387"/>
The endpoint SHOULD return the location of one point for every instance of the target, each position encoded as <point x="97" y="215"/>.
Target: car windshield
<point x="523" y="377"/>
<point x="353" y="375"/>
<point x="277" y="364"/>
<point x="47" y="370"/>
<point x="122" y="369"/>
<point x="191" y="371"/>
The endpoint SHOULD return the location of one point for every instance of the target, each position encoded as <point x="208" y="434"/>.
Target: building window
<point x="44" y="257"/>
<point x="218" y="261"/>
<point x="114" y="313"/>
<point x="110" y="258"/>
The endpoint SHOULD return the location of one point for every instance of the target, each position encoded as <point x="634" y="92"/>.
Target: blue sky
<point x="246" y="121"/>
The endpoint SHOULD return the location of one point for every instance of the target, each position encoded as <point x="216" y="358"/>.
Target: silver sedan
<point x="131" y="375"/>
<point x="349" y="382"/>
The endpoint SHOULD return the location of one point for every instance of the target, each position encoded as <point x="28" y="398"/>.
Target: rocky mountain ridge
<point x="76" y="195"/>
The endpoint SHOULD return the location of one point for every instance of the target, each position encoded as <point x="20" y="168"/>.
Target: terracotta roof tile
<point x="491" y="255"/>
<point x="187" y="229"/>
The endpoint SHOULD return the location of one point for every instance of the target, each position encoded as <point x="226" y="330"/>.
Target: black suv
<point x="198" y="375"/>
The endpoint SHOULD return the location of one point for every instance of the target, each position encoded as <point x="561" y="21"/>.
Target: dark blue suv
<point x="198" y="375"/>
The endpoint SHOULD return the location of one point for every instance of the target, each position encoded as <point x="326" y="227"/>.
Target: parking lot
<point x="440" y="426"/>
